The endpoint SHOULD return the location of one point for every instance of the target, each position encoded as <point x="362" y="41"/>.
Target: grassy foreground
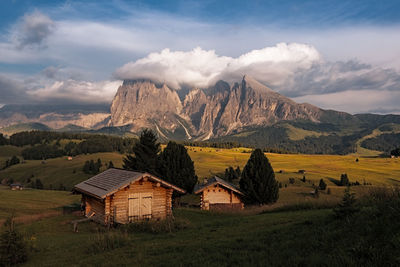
<point x="291" y="238"/>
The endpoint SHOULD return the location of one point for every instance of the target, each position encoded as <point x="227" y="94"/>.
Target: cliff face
<point x="143" y="104"/>
<point x="204" y="113"/>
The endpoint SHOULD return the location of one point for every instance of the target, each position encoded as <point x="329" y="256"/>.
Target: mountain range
<point x="245" y="111"/>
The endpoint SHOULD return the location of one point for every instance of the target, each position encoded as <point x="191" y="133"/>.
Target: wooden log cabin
<point x="218" y="194"/>
<point x="121" y="196"/>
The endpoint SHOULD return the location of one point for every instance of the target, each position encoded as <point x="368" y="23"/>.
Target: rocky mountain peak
<point x="204" y="113"/>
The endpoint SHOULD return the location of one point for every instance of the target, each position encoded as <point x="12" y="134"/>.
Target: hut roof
<point x="112" y="180"/>
<point x="216" y="180"/>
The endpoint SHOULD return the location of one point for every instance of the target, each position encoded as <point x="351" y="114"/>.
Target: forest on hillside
<point x="40" y="145"/>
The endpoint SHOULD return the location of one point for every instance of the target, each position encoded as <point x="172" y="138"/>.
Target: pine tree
<point x="145" y="154"/>
<point x="304" y="179"/>
<point x="344" y="180"/>
<point x="3" y="140"/>
<point x="231" y="174"/>
<point x="12" y="246"/>
<point x="110" y="165"/>
<point x="176" y="166"/>
<point x="258" y="180"/>
<point x="86" y="168"/>
<point x="238" y="172"/>
<point x="38" y="184"/>
<point x="347" y="207"/>
<point x="322" y="184"/>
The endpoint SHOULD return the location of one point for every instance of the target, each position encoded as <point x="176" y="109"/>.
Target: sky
<point x="342" y="55"/>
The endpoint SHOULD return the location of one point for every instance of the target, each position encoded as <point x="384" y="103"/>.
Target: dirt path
<point x="24" y="219"/>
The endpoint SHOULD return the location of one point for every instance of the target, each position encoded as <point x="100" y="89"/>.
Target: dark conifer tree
<point x="13" y="249"/>
<point x="38" y="184"/>
<point x="230" y="174"/>
<point x="344" y="180"/>
<point x="322" y="184"/>
<point x="145" y="154"/>
<point x="348" y="205"/>
<point x="86" y="168"/>
<point x="238" y="172"/>
<point x="3" y="140"/>
<point x="92" y="167"/>
<point x="258" y="180"/>
<point x="176" y="166"/>
<point x="110" y="165"/>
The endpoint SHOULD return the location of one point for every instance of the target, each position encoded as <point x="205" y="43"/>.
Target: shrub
<point x="13" y="249"/>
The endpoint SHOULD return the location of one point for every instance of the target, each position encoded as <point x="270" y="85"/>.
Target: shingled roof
<point x="216" y="180"/>
<point x="112" y="180"/>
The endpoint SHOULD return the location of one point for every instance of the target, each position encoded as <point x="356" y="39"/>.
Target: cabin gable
<point x="218" y="194"/>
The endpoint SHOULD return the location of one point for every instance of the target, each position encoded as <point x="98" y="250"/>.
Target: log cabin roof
<point x="214" y="181"/>
<point x="112" y="180"/>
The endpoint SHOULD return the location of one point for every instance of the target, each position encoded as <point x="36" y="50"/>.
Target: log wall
<point x="161" y="201"/>
<point x="97" y="206"/>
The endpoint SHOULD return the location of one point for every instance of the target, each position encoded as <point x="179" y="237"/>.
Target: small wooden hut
<point x="218" y="194"/>
<point x="16" y="186"/>
<point x="121" y="196"/>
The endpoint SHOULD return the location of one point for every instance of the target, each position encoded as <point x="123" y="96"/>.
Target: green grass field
<point x="287" y="238"/>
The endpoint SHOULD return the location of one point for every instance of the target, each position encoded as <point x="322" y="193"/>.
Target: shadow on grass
<point x="335" y="181"/>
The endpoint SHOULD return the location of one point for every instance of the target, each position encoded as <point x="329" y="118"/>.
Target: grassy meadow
<point x="296" y="237"/>
<point x="58" y="172"/>
<point x="297" y="230"/>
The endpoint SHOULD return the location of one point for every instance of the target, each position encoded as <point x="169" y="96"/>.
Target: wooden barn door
<point x="134" y="206"/>
<point x="145" y="205"/>
<point x="140" y="206"/>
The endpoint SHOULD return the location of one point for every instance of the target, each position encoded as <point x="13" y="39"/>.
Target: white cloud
<point x="202" y="68"/>
<point x="76" y="91"/>
<point x="360" y="101"/>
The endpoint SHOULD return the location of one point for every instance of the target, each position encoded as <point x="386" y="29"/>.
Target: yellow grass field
<point x="378" y="171"/>
<point x="211" y="161"/>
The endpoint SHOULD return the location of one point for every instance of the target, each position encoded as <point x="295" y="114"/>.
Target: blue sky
<point x="336" y="54"/>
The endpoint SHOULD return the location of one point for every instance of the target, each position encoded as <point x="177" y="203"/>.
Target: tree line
<point x="384" y="142"/>
<point x="173" y="164"/>
<point x="44" y="145"/>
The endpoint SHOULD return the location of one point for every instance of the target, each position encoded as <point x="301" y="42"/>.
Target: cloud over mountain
<point x="202" y="68"/>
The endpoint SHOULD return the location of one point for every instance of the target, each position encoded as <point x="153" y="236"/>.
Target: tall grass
<point x="106" y="241"/>
<point x="168" y="225"/>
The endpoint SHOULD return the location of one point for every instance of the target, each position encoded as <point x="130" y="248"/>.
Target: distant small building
<point x="16" y="186"/>
<point x="218" y="194"/>
<point x="121" y="196"/>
